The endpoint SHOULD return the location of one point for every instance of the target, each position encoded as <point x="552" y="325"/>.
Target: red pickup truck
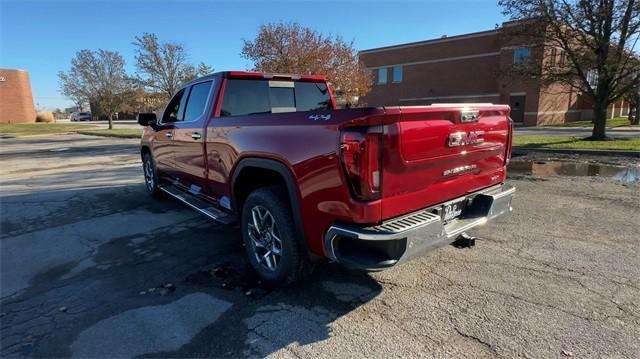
<point x="366" y="187"/>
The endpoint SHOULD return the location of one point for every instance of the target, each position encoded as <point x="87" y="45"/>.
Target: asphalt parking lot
<point x="93" y="267"/>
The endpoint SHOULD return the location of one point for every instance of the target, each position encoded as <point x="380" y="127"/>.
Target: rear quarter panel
<point x="309" y="148"/>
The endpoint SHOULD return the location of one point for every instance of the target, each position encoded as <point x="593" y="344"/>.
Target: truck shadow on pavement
<point x="108" y="272"/>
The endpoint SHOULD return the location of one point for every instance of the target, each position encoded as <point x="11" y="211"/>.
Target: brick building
<point x="471" y="68"/>
<point x="16" y="100"/>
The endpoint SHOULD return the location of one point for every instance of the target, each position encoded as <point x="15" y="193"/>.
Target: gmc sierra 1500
<point x="366" y="187"/>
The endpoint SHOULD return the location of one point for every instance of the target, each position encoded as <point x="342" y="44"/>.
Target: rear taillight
<point x="361" y="153"/>
<point x="509" y="145"/>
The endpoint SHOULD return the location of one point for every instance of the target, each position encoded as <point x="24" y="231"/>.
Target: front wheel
<point x="270" y="238"/>
<point x="150" y="175"/>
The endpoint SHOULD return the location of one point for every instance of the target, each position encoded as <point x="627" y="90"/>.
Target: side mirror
<point x="147" y="119"/>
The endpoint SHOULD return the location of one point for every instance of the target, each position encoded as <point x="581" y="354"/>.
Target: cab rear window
<point x="249" y="97"/>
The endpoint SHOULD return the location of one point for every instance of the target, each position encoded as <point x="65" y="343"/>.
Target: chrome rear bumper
<point x="405" y="237"/>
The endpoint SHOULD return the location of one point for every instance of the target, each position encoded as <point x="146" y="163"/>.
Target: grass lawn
<point x="29" y="129"/>
<point x="614" y="122"/>
<point x="568" y="142"/>
<point x="116" y="132"/>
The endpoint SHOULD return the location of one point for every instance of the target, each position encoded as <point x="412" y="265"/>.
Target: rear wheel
<point x="270" y="238"/>
<point x="150" y="175"/>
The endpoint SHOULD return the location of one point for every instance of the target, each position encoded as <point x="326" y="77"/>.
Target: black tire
<point x="151" y="179"/>
<point x="293" y="263"/>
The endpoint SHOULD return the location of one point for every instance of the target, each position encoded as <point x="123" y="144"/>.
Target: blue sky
<point x="42" y="36"/>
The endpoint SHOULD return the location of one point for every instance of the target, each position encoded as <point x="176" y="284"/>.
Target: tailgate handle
<point x="196" y="136"/>
<point x="469" y="116"/>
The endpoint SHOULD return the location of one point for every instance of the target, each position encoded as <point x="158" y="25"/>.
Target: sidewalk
<point x="105" y="124"/>
<point x="618" y="132"/>
<point x="574" y="151"/>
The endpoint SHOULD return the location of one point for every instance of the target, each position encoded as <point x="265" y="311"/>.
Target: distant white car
<point x="81" y="116"/>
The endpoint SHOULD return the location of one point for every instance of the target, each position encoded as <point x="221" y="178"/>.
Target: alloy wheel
<point x="148" y="175"/>
<point x="265" y="238"/>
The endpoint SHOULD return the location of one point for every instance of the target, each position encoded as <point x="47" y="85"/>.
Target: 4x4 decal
<point x="320" y="117"/>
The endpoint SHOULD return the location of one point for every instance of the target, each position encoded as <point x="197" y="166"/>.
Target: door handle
<point x="196" y="136"/>
<point x="169" y="134"/>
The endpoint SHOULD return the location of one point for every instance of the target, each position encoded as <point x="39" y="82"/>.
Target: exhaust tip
<point x="464" y="241"/>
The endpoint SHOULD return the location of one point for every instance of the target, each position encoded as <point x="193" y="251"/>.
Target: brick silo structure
<point x="16" y="100"/>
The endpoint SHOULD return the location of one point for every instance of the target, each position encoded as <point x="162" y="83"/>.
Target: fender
<point x="287" y="175"/>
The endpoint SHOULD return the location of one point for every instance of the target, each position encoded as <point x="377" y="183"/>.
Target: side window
<point x="175" y="109"/>
<point x="245" y="97"/>
<point x="312" y="96"/>
<point x="197" y="100"/>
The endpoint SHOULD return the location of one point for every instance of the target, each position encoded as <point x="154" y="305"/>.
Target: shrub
<point x="46" y="117"/>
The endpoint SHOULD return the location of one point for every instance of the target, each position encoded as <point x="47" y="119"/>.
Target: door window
<point x="175" y="109"/>
<point x="197" y="102"/>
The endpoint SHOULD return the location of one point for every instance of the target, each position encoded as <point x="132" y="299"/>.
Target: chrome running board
<point x="204" y="207"/>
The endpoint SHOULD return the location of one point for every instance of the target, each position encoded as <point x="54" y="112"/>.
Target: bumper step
<point x="400" y="239"/>
<point x="200" y="205"/>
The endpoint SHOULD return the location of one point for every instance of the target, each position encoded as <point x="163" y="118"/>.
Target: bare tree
<point x="97" y="76"/>
<point x="162" y="67"/>
<point x="291" y="48"/>
<point x="72" y="90"/>
<point x="596" y="39"/>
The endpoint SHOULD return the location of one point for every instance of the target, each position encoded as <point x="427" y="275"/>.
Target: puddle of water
<point x="227" y="277"/>
<point x="626" y="174"/>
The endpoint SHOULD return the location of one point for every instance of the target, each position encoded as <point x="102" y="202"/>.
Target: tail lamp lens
<point x="509" y="146"/>
<point x="361" y="151"/>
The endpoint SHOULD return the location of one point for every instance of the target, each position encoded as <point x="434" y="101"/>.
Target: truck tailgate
<point x="433" y="154"/>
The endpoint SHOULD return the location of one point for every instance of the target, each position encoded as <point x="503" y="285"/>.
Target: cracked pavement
<point x="92" y="267"/>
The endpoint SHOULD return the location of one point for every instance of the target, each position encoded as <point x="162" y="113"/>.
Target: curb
<point x="569" y="129"/>
<point x="111" y="135"/>
<point x="526" y="150"/>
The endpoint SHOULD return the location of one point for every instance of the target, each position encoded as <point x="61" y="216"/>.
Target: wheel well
<point x="251" y="178"/>
<point x="254" y="173"/>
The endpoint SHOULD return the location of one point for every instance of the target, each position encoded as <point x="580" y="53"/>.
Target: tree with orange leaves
<point x="294" y="49"/>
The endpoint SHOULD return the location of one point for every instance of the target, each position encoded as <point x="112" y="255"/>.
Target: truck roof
<point x="259" y="75"/>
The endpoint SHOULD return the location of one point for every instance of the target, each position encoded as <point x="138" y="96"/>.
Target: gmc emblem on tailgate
<point x="465" y="138"/>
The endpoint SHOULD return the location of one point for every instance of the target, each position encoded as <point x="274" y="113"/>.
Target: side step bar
<point x="204" y="207"/>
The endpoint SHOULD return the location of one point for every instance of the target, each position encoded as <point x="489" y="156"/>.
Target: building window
<point x="563" y="58"/>
<point x="521" y="55"/>
<point x="382" y="76"/>
<point x="397" y="74"/>
<point x="552" y="56"/>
